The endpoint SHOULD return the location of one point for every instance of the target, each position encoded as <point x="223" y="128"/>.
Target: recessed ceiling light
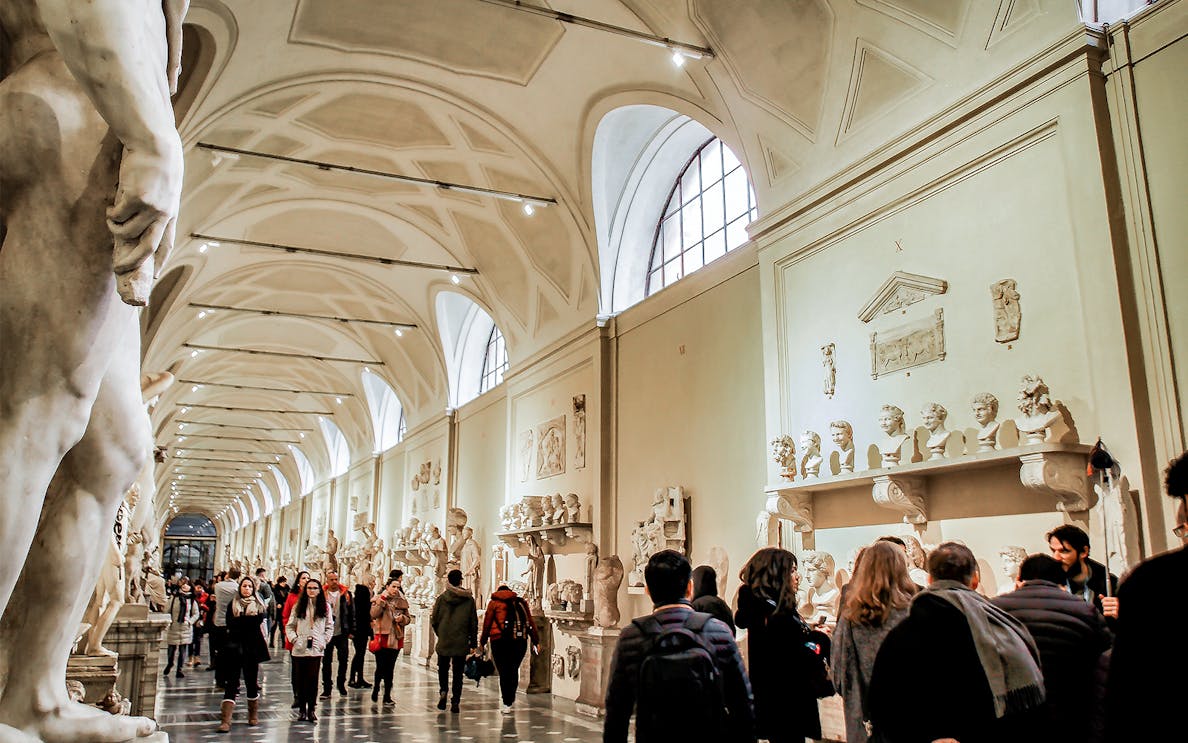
<point x="529" y="209"/>
<point x="454" y="277"/>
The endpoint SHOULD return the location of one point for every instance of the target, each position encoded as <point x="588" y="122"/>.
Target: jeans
<point x="305" y="678"/>
<point x="443" y="669"/>
<point x="338" y="644"/>
<point x="385" y="665"/>
<point x="196" y="646"/>
<point x="508" y="655"/>
<point x="218" y="637"/>
<point x="236" y="664"/>
<point x="360" y="643"/>
<point x="181" y="656"/>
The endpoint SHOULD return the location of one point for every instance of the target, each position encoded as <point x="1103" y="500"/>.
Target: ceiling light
<point x="454" y="277"/>
<point x="202" y="315"/>
<point x="367" y="370"/>
<point x="194" y="388"/>
<point x="678" y="59"/>
<point x="338" y="400"/>
<point x="399" y="333"/>
<point x="193" y="354"/>
<point x="185" y="410"/>
<point x="301" y="434"/>
<point x="529" y="209"/>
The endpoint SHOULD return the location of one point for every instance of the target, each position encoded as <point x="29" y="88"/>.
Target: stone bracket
<point x="1060" y="474"/>
<point x="794" y="507"/>
<point x="902" y="494"/>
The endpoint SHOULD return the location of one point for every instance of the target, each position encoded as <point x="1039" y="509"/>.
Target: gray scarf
<point x="1006" y="649"/>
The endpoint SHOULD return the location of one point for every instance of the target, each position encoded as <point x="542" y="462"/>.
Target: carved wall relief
<point x="1007" y="313"/>
<point x="550" y="448"/>
<point x="829" y="368"/>
<point x="573" y="661"/>
<point x="900" y="290"/>
<point x="908" y="346"/>
<point x="525" y="461"/>
<point x="579" y="431"/>
<point x="664" y="529"/>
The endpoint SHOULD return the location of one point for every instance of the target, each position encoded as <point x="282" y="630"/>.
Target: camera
<point x="309" y="644"/>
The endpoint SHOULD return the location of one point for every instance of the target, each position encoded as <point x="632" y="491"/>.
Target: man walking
<point x="455" y="622"/>
<point x="264" y="592"/>
<point x="678" y="670"/>
<point x="1070" y="634"/>
<point x="224" y="593"/>
<point x="338" y="601"/>
<point x="976" y="666"/>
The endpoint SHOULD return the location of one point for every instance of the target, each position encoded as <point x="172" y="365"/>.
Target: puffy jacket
<point x="298" y="632"/>
<point x="389" y="617"/>
<point x="455" y="622"/>
<point x="503" y="602"/>
<point x="181" y="626"/>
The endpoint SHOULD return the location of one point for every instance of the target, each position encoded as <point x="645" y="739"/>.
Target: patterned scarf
<point x="249" y="606"/>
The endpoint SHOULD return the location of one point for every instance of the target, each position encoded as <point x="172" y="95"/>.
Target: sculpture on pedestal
<point x="842" y="434"/>
<point x="1039" y="412"/>
<point x="895" y="434"/>
<point x="573" y="508"/>
<point x="664" y="529"/>
<point x="985" y="410"/>
<point x="1011" y="558"/>
<point x="534" y="573"/>
<point x="810" y="459"/>
<point x="579" y="431"/>
<point x="783" y="453"/>
<point x="821" y="595"/>
<point x="470" y="562"/>
<point x="607" y="577"/>
<point x="94" y="155"/>
<point x="934" y="415"/>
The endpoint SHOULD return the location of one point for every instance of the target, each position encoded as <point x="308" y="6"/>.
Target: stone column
<point x="136" y="636"/>
<point x="598" y="647"/>
<point x="536" y="676"/>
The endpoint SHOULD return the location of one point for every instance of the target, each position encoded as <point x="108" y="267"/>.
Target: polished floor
<point x="187" y="709"/>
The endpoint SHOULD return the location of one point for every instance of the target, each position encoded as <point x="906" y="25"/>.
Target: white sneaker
<point x="507" y="709"/>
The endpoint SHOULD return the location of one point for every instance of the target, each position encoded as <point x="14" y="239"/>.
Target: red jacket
<point x="497" y="612"/>
<point x="290" y="602"/>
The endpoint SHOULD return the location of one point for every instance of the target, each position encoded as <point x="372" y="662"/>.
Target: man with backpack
<point x="678" y="670"/>
<point x="508" y="624"/>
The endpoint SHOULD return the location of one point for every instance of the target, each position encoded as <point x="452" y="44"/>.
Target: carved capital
<point x="1061" y="474"/>
<point x="903" y="494"/>
<point x="795" y="507"/>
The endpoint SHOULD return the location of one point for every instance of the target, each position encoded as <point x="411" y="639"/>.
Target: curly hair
<point x="1175" y="477"/>
<point x="880" y="585"/>
<point x="769" y="576"/>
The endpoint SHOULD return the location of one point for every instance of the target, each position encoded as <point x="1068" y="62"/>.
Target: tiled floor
<point x="188" y="709"/>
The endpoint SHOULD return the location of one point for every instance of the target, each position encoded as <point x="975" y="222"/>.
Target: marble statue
<point x="330" y="554"/>
<point x="498" y="565"/>
<point x="579" y="431"/>
<point x="720" y="562"/>
<point x="106" y="601"/>
<point x="1011" y="558"/>
<point x="917" y="560"/>
<point x="663" y="529"/>
<point x="553" y="596"/>
<point x="505" y="517"/>
<point x="591" y="566"/>
<point x="607" y="577"/>
<point x="573" y="661"/>
<point x="379" y="563"/>
<point x="558" y="665"/>
<point x="842" y="434"/>
<point x="985" y="411"/>
<point x="559" y="513"/>
<point x="821" y="594"/>
<point x="154" y="588"/>
<point x="573" y="508"/>
<point x="783" y="453"/>
<point x="810" y="459"/>
<point x="1007" y="314"/>
<point x="533" y="513"/>
<point x="894" y="435"/>
<point x="571" y="594"/>
<point x="1039" y="412"/>
<point x="470" y="561"/>
<point x="435" y="551"/>
<point x="827" y="363"/>
<point x="534" y="573"/>
<point x="312" y="557"/>
<point x="934" y="415"/>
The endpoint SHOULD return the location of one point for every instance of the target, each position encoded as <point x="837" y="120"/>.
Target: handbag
<point x="378" y="643"/>
<point x="816" y="662"/>
<point x="478" y="667"/>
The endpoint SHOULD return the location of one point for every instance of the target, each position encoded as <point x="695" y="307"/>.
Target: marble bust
<point x="842" y="434"/>
<point x="1011" y="558"/>
<point x="1039" y="412"/>
<point x="985" y="410"/>
<point x="822" y="597"/>
<point x="894" y="435"/>
<point x="810" y="460"/>
<point x="783" y="453"/>
<point x="934" y="415"/>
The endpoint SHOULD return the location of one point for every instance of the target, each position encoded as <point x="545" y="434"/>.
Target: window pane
<point x="672" y="237"/>
<point x="674" y="202"/>
<point x="691" y="223"/>
<point x="736" y="233"/>
<point x="715" y="246"/>
<point x="712" y="206"/>
<point x="693" y="259"/>
<point x="711" y="163"/>
<point x="736" y="195"/>
<point x="730" y="161"/>
<point x="690" y="182"/>
<point x="672" y="271"/>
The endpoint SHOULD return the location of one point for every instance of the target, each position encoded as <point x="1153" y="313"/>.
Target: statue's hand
<point x="142" y="219"/>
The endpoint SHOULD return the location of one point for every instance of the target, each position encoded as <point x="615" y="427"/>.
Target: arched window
<point x="304" y="469"/>
<point x="402" y="428"/>
<point x="282" y="486"/>
<point x="494" y="362"/>
<point x="706" y="216"/>
<point x="387" y="414"/>
<point x="269" y="504"/>
<point x="340" y="453"/>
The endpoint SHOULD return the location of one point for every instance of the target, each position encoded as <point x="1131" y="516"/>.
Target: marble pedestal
<point x="598" y="647"/>
<point x="536" y="676"/>
<point x="97" y="673"/>
<point x="137" y="636"/>
<point x="423" y="641"/>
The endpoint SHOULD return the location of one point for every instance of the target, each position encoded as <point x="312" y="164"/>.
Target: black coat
<point x="362" y="628"/>
<point x="245" y="640"/>
<point x="705" y="596"/>
<point x="785" y="702"/>
<point x="1071" y="636"/>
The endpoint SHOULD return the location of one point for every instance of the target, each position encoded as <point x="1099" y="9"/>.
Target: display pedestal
<point x="536" y="676"/>
<point x="598" y="647"/>
<point x="424" y="642"/>
<point x="137" y="635"/>
<point x="96" y="673"/>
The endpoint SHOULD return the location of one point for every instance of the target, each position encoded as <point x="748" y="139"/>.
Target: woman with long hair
<point x="183" y="613"/>
<point x="243" y="651"/>
<point x="877" y="599"/>
<point x="286" y="612"/>
<point x="307" y="633"/>
<point x="199" y="623"/>
<point x="389" y="615"/>
<point x="782" y="682"/>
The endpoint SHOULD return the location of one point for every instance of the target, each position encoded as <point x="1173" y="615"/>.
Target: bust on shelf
<point x="810" y="460"/>
<point x="894" y="435"/>
<point x="1011" y="558"/>
<point x="783" y="453"/>
<point x="934" y="415"/>
<point x="842" y="434"/>
<point x="822" y="597"/>
<point x="1039" y="412"/>
<point x="985" y="410"/>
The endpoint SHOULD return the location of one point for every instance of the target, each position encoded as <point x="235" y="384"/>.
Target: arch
<point x="284" y="495"/>
<point x="241" y="512"/>
<point x="304" y="469"/>
<point x="466" y="330"/>
<point x="387" y="414"/>
<point x="266" y="493"/>
<point x="191" y="525"/>
<point x="164" y="295"/>
<point x="336" y="444"/>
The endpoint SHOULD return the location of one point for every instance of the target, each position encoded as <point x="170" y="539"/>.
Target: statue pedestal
<point x="97" y="674"/>
<point x="536" y="676"/>
<point x="137" y="635"/>
<point x="423" y="640"/>
<point x="598" y="647"/>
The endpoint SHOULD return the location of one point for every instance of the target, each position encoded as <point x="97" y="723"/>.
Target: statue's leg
<point x="58" y="170"/>
<point x="80" y="507"/>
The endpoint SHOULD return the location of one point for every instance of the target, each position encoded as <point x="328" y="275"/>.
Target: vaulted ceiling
<point x="477" y="93"/>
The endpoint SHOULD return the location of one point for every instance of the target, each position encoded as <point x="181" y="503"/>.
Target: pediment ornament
<point x="900" y="290"/>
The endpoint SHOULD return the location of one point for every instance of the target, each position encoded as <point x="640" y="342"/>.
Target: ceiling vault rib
<point x="184" y="448"/>
<point x="239" y="438"/>
<point x="410" y="179"/>
<point x="265" y="389"/>
<point x="283" y="354"/>
<point x="306" y="315"/>
<point x="445" y="267"/>
<point x="241" y="409"/>
<point x="225" y="461"/>
<point x="236" y="425"/>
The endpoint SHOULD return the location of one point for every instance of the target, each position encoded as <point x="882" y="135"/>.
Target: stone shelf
<point x="1055" y="469"/>
<point x="570" y="621"/>
<point x="409" y="556"/>
<point x="551" y="536"/>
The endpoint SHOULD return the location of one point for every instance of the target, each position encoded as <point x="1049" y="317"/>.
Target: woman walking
<point x="307" y="633"/>
<point x="507" y="623"/>
<point x="877" y="599"/>
<point x="361" y="635"/>
<point x="199" y="624"/>
<point x="183" y="613"/>
<point x="781" y="678"/>
<point x="280" y="595"/>
<point x="243" y="651"/>
<point x="389" y="615"/>
<point x="286" y="612"/>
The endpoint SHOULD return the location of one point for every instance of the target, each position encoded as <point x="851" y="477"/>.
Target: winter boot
<point x="254" y="711"/>
<point x="387" y="693"/>
<point x="228" y="708"/>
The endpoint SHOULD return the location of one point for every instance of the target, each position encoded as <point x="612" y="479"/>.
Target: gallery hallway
<point x="188" y="711"/>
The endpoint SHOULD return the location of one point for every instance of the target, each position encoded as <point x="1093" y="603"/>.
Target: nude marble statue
<point x="92" y="164"/>
<point x="810" y="459"/>
<point x="607" y="577"/>
<point x="842" y="434"/>
<point x="985" y="411"/>
<point x="934" y="415"/>
<point x="891" y="447"/>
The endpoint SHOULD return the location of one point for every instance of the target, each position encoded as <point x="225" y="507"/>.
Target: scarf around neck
<point x="249" y="606"/>
<point x="1005" y="648"/>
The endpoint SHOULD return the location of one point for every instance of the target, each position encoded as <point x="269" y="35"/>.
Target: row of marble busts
<point x="533" y="511"/>
<point x="1039" y="414"/>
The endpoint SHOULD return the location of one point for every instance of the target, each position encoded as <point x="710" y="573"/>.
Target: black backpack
<point x="680" y="691"/>
<point x="515" y="627"/>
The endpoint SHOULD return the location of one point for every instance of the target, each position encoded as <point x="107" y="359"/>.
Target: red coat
<point x="290" y="602"/>
<point x="497" y="611"/>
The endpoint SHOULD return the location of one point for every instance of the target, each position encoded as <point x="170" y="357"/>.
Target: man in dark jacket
<point x="361" y="635"/>
<point x="455" y="622"/>
<point x="1086" y="578"/>
<point x="1071" y="636"/>
<point x="667" y="576"/>
<point x="957" y="667"/>
<point x="705" y="595"/>
<point x="1148" y="684"/>
<point x="338" y="601"/>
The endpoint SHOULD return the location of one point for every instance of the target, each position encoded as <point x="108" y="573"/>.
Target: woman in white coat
<point x="183" y="613"/>
<point x="309" y="631"/>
